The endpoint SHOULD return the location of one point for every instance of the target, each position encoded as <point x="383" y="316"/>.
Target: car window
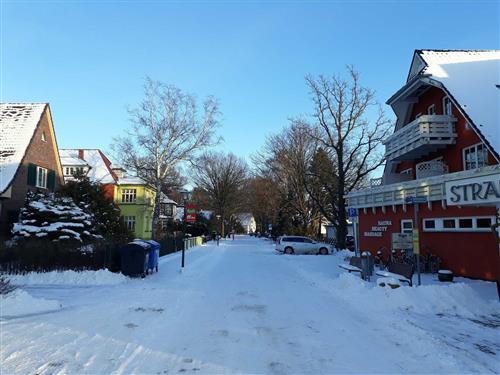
<point x="307" y="240"/>
<point x="287" y="239"/>
<point x="296" y="239"/>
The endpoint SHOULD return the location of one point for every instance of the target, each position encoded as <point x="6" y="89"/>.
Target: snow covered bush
<point x="55" y="219"/>
<point x="92" y="198"/>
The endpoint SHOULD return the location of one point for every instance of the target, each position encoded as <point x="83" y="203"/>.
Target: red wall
<point x="109" y="190"/>
<point x="466" y="136"/>
<point x="470" y="254"/>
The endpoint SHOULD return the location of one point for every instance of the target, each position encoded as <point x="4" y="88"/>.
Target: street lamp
<point x="218" y="228"/>
<point x="185" y="198"/>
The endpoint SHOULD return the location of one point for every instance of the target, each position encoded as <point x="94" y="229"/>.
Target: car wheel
<point x="288" y="250"/>
<point x="323" y="251"/>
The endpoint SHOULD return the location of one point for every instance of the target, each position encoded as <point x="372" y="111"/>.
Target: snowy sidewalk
<point x="243" y="308"/>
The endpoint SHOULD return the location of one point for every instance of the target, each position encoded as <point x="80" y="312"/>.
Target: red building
<point x="444" y="153"/>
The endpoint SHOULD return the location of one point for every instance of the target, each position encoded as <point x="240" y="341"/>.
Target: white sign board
<point x="473" y="191"/>
<point x="402" y="241"/>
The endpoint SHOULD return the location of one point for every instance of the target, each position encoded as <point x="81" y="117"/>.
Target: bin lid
<point x="142" y="243"/>
<point x="152" y="243"/>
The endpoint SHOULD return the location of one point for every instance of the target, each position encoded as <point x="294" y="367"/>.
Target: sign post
<point x="415" y="234"/>
<point x="353" y="214"/>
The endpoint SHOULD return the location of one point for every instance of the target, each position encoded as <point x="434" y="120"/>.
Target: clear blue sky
<point x="88" y="59"/>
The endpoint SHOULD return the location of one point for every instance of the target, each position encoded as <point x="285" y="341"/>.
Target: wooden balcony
<point x="424" y="135"/>
<point x="432" y="188"/>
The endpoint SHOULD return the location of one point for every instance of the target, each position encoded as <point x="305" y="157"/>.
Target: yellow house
<point x="136" y="200"/>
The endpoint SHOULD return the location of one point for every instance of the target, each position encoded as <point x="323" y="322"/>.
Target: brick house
<point x="441" y="182"/>
<point x="29" y="158"/>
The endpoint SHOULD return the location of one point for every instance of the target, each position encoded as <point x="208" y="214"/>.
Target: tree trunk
<point x="341" y="224"/>
<point x="156" y="212"/>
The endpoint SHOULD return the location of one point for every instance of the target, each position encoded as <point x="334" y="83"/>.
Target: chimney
<point x="81" y="154"/>
<point x="119" y="172"/>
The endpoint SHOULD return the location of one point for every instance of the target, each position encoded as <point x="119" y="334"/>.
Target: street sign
<point x="415" y="200"/>
<point x="416" y="245"/>
<point x="352" y="212"/>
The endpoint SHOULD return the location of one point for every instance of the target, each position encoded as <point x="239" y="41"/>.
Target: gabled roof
<point x="18" y="122"/>
<point x="471" y="78"/>
<point x="165" y="199"/>
<point x="100" y="166"/>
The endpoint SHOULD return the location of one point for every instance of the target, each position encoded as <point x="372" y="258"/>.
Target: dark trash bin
<point x="154" y="255"/>
<point x="134" y="258"/>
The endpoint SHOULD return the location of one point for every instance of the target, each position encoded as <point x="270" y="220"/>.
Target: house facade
<point x="29" y="158"/>
<point x="136" y="200"/>
<point x="132" y="195"/>
<point x="441" y="181"/>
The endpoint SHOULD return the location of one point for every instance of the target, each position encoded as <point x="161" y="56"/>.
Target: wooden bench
<point x="353" y="266"/>
<point x="400" y="271"/>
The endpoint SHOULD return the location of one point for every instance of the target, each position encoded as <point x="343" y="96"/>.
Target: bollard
<point x="366" y="265"/>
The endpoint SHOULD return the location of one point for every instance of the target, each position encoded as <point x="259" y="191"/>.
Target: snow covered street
<point x="243" y="308"/>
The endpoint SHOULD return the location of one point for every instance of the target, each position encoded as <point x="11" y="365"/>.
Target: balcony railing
<point x="420" y="137"/>
<point x="431" y="168"/>
<point x="433" y="188"/>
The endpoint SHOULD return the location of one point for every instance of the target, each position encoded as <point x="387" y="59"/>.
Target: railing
<point x="433" y="188"/>
<point x="431" y="168"/>
<point x="425" y="130"/>
<point x="192" y="242"/>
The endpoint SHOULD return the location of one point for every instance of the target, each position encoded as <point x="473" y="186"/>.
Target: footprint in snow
<point x="131" y="325"/>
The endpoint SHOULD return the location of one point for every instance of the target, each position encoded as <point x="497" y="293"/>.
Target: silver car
<point x="302" y="245"/>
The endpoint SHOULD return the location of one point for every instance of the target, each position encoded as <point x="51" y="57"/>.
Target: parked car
<point x="302" y="245"/>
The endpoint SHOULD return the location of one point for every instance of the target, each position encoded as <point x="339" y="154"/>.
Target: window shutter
<point x="51" y="180"/>
<point x="31" y="174"/>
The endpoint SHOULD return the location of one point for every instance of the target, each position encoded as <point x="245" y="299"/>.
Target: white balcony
<point x="431" y="168"/>
<point x="432" y="187"/>
<point x="422" y="136"/>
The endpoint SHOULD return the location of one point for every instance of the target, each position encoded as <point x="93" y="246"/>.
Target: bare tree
<point x="167" y="129"/>
<point x="342" y="128"/>
<point x="285" y="158"/>
<point x="222" y="177"/>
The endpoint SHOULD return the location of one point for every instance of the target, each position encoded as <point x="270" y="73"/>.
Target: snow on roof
<point x="472" y="78"/>
<point x="18" y="122"/>
<point x="100" y="170"/>
<point x="68" y="158"/>
<point x="167" y="200"/>
<point x="131" y="180"/>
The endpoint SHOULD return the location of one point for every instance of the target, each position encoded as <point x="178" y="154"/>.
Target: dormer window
<point x="447" y="106"/>
<point x="44" y="138"/>
<point x="431" y="110"/>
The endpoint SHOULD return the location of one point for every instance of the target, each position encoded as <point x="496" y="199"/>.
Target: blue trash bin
<point x="154" y="255"/>
<point x="134" y="259"/>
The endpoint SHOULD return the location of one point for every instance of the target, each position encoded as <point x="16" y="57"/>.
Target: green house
<point x="136" y="201"/>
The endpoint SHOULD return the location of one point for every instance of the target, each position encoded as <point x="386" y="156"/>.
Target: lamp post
<point x="218" y="228"/>
<point x="185" y="197"/>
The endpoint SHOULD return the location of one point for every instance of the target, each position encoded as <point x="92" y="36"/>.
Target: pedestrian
<point x="218" y="238"/>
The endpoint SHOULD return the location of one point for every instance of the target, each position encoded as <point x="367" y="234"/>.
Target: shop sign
<point x="402" y="241"/>
<point x="379" y="229"/>
<point x="190" y="214"/>
<point x="480" y="190"/>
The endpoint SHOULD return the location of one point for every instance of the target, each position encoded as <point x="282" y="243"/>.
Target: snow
<point x="20" y="302"/>
<point x="131" y="180"/>
<point x="471" y="77"/>
<point x="100" y="167"/>
<point x="70" y="278"/>
<point x="241" y="307"/>
<point x="18" y="122"/>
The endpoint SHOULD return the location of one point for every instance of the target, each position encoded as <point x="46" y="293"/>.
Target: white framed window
<point x="41" y="177"/>
<point x="129" y="195"/>
<point x="459" y="224"/>
<point x="406" y="226"/>
<point x="431" y="110"/>
<point x="44" y="138"/>
<point x="475" y="156"/>
<point x="129" y="222"/>
<point x="407" y="171"/>
<point x="447" y="106"/>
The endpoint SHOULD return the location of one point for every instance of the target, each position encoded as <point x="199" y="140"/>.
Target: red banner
<point x="190" y="213"/>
